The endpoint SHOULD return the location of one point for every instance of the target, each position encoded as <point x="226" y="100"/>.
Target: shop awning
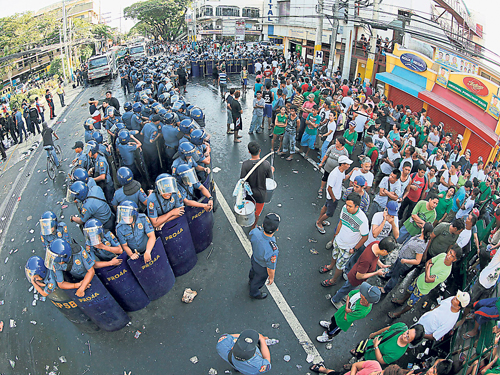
<point x="462" y="111"/>
<point x="405" y="80"/>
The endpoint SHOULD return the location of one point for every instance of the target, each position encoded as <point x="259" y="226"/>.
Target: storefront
<point x="466" y="103"/>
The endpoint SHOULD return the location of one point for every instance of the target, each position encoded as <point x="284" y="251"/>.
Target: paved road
<point x="173" y="332"/>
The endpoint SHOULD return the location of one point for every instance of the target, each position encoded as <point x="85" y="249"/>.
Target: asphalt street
<point x="173" y="332"/>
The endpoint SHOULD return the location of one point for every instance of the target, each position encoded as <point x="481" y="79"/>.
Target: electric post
<point x="318" y="54"/>
<point x="348" y="38"/>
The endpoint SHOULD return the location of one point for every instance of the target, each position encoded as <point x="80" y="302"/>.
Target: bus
<point x="101" y="67"/>
<point x="137" y="51"/>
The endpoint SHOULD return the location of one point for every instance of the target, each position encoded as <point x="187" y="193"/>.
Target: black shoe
<point x="260" y="296"/>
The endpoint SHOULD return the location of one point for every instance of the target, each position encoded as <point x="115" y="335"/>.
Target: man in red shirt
<point x="365" y="267"/>
<point x="413" y="192"/>
<point x="345" y="88"/>
<point x="305" y="85"/>
<point x="268" y="73"/>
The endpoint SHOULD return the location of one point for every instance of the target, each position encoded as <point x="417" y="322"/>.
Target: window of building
<point x="227" y="11"/>
<point x="250" y="12"/>
<point x="205" y="11"/>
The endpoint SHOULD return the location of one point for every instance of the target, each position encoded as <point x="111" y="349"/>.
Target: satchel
<point x="361" y="348"/>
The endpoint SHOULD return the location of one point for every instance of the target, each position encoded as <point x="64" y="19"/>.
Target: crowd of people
<point x="400" y="182"/>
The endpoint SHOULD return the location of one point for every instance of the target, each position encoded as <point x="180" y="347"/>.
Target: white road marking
<point x="273" y="289"/>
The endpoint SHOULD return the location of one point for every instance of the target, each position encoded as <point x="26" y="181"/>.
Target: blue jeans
<point x="343" y="291"/>
<point x="256" y="124"/>
<point x="398" y="269"/>
<point x="52" y="151"/>
<point x="403" y="235"/>
<point x="324" y="147"/>
<point x="289" y="142"/>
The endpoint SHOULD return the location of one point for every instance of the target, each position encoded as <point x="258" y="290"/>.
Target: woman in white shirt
<point x="328" y="136"/>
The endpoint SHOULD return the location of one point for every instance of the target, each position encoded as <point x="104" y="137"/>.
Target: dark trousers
<point x="13" y="135"/>
<point x="61" y="99"/>
<point x="151" y="159"/>
<point x="343" y="291"/>
<point x="35" y="126"/>
<point x="406" y="204"/>
<point x="398" y="269"/>
<point x="302" y="129"/>
<point x="353" y="259"/>
<point x="52" y="109"/>
<point x="2" y="151"/>
<point x="20" y="130"/>
<point x="125" y="86"/>
<point x="258" y="277"/>
<point x="169" y="154"/>
<point x="334" y="329"/>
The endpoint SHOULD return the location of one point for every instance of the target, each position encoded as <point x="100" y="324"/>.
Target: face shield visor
<point x="93" y="235"/>
<point x="189" y="177"/>
<point x="125" y="214"/>
<point x="47" y="226"/>
<point x="51" y="259"/>
<point x="70" y="196"/>
<point x="29" y="273"/>
<point x="167" y="185"/>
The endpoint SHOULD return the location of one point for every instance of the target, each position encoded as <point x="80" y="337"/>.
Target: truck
<point x="102" y="66"/>
<point x="137" y="51"/>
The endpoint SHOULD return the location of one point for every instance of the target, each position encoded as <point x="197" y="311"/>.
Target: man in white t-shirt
<point x="389" y="188"/>
<point x="364" y="171"/>
<point x="384" y="223"/>
<point x="436" y="160"/>
<point x="348" y="101"/>
<point x="258" y="67"/>
<point x="390" y="160"/>
<point x="449" y="178"/>
<point x="442" y="319"/>
<point x="469" y="232"/>
<point x="381" y="142"/>
<point x="333" y="192"/>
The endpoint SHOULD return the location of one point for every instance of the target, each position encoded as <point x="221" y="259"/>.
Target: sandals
<point x="327" y="283"/>
<point x="290" y="158"/>
<point x="353" y="353"/>
<point x="326" y="223"/>
<point x="320" y="193"/>
<point x="391" y="315"/>
<point x="237" y="141"/>
<point x="315" y="367"/>
<point x="324" y="269"/>
<point x="320" y="230"/>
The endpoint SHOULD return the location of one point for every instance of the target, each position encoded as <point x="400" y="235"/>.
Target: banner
<point x="442" y="77"/>
<point x="468" y="95"/>
<point x="494" y="108"/>
<point x="455" y="62"/>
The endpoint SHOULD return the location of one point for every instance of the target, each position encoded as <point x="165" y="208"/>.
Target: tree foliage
<point x="164" y="18"/>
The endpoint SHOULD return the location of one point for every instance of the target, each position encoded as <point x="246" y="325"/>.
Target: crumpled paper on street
<point x="188" y="295"/>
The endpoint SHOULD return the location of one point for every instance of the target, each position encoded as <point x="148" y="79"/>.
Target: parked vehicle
<point x="102" y="66"/>
<point x="137" y="51"/>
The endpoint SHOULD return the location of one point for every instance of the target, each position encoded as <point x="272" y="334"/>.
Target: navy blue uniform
<point x="83" y="161"/>
<point x="158" y="206"/>
<point x="265" y="255"/>
<point x="135" y="122"/>
<point x="95" y="206"/>
<point x="139" y="197"/>
<point x="135" y="236"/>
<point x="102" y="167"/>
<point x="81" y="263"/>
<point x="127" y="119"/>
<point x="108" y="239"/>
<point x="150" y="132"/>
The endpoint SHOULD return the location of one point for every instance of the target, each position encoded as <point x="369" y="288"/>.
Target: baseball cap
<point x="370" y="292"/>
<point x="475" y="211"/>
<point x="344" y="160"/>
<point x="246" y="344"/>
<point x="392" y="208"/>
<point x="78" y="144"/>
<point x="408" y="111"/>
<point x="463" y="298"/>
<point x="156" y="118"/>
<point x="271" y="222"/>
<point x="360" y="180"/>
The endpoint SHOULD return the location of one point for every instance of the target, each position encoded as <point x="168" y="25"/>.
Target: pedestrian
<point x="362" y="368"/>
<point x="264" y="255"/>
<point x="311" y="129"/>
<point x="11" y="126"/>
<point x="113" y="102"/>
<point x="20" y="125"/>
<point x="50" y="103"/>
<point x="236" y="112"/>
<point x="183" y="78"/>
<point x="358" y="305"/>
<point x="41" y="109"/>
<point x="443" y="236"/>
<point x="485" y="310"/>
<point x="258" y="113"/>
<point x="61" y="93"/>
<point x="34" y="118"/>
<point x="330" y="161"/>
<point x="257" y="179"/>
<point x="247" y="352"/>
<point x="289" y="138"/>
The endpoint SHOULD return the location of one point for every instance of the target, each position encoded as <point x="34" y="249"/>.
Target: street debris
<point x="286" y="358"/>
<point x="314" y="251"/>
<point x="275" y="325"/>
<point x="310" y="358"/>
<point x="63" y="359"/>
<point x="12" y="323"/>
<point x="188" y="295"/>
<point x="137" y="334"/>
<point x="216" y="169"/>
<point x="194" y="360"/>
<point x="212" y="371"/>
<point x="270" y="342"/>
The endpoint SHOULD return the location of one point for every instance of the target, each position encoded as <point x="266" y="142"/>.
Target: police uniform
<point x="83" y="161"/>
<point x="61" y="232"/>
<point x="135" y="237"/>
<point x="182" y="160"/>
<point x="185" y="138"/>
<point x="102" y="167"/>
<point x="170" y="134"/>
<point x="127" y="119"/>
<point x="135" y="122"/>
<point x="181" y="116"/>
<point x="50" y="282"/>
<point x="253" y="366"/>
<point x="95" y="206"/>
<point x="158" y="206"/>
<point x="91" y="183"/>
<point x="103" y="150"/>
<point x="138" y="197"/>
<point x="80" y="263"/>
<point x="150" y="131"/>
<point x="88" y="135"/>
<point x="108" y="239"/>
<point x="265" y="255"/>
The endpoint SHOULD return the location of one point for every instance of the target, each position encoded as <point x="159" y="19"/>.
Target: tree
<point x="163" y="18"/>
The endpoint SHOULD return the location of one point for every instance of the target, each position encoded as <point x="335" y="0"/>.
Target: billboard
<point x="454" y="62"/>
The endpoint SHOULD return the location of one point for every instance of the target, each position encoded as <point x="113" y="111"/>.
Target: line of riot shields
<point x="203" y="68"/>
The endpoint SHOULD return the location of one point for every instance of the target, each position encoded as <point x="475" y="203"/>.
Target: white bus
<point x="137" y="51"/>
<point x="102" y="66"/>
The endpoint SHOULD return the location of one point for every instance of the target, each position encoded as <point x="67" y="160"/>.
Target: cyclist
<point x="48" y="142"/>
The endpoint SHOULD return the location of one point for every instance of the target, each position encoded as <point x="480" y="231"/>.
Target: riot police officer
<point x="82" y="159"/>
<point x="127" y="116"/>
<point x="110" y="122"/>
<point x="74" y="259"/>
<point x="42" y="279"/>
<point x="170" y="138"/>
<point x="265" y="255"/>
<point x="179" y="107"/>
<point x="130" y="191"/>
<point x="188" y="182"/>
<point x="104" y="245"/>
<point x="134" y="231"/>
<point x="51" y="229"/>
<point x="202" y="155"/>
<point x="165" y="202"/>
<point x="94" y="205"/>
<point x="89" y="129"/>
<point x="126" y="146"/>
<point x="198" y="116"/>
<point x="103" y="149"/>
<point x="187" y="151"/>
<point x="80" y="174"/>
<point x="136" y="119"/>
<point x="101" y="171"/>
<point x="186" y="127"/>
<point x="151" y="133"/>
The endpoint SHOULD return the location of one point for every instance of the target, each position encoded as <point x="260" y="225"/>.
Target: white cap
<point x="463" y="298"/>
<point x="344" y="160"/>
<point x="460" y="136"/>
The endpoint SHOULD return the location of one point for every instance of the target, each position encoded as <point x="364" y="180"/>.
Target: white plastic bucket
<point x="271" y="185"/>
<point x="246" y="215"/>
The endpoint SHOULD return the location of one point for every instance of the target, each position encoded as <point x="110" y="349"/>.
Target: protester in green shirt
<point x="436" y="271"/>
<point x="444" y="205"/>
<point x="485" y="189"/>
<point x="351" y="136"/>
<point x="390" y="343"/>
<point x="358" y="305"/>
<point x="309" y="136"/>
<point x="424" y="211"/>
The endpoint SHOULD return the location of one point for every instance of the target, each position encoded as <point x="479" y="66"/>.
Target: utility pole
<point x="370" y="62"/>
<point x="319" y="34"/>
<point x="65" y="37"/>
<point x="61" y="54"/>
<point x="349" y="38"/>
<point x="333" y="43"/>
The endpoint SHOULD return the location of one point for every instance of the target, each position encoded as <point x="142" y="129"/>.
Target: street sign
<point x="318" y="57"/>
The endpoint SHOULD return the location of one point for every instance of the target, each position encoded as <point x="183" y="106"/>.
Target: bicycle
<point x="51" y="163"/>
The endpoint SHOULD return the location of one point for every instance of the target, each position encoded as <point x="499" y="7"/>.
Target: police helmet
<point x="48" y="223"/>
<point x="166" y="184"/>
<point x="124" y="175"/>
<point x="187" y="175"/>
<point x="127" y="106"/>
<point x="58" y="251"/>
<point x="139" y="86"/>
<point x="143" y="96"/>
<point x="168" y="118"/>
<point x="93" y="147"/>
<point x="187" y="149"/>
<point x="97" y="136"/>
<point x="126" y="212"/>
<point x="124" y="136"/>
<point x="147" y="111"/>
<point x="173" y="96"/>
<point x="186" y="126"/>
<point x="148" y="92"/>
<point x="155" y="106"/>
<point x="137" y="107"/>
<point x="79" y="190"/>
<point x="197" y="114"/>
<point x="178" y="105"/>
<point x="93" y="231"/>
<point x="110" y="111"/>
<point x="119" y="127"/>
<point x="163" y="98"/>
<point x="189" y="109"/>
<point x="197" y="136"/>
<point x="35" y="266"/>
<point x="80" y="174"/>
<point x="149" y="80"/>
<point x="89" y="121"/>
